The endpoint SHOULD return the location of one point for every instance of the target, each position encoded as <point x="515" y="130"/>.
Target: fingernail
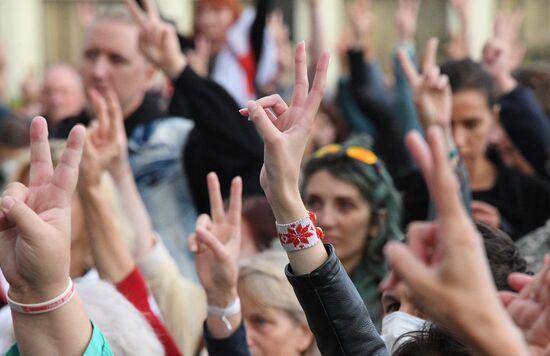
<point x="7" y="203"/>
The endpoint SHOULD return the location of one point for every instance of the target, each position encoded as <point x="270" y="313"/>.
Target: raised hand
<point x="286" y="130"/>
<point x="530" y="307"/>
<point x="361" y="20"/>
<point x="444" y="264"/>
<point x="158" y="39"/>
<point x="502" y="53"/>
<point x="35" y="220"/>
<point x="406" y="19"/>
<point x="216" y="244"/>
<point x="199" y="56"/>
<point x="106" y="143"/>
<point x="486" y="213"/>
<point x="431" y="90"/>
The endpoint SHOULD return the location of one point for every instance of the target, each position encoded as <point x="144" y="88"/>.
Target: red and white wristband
<point x="45" y="307"/>
<point x="299" y="234"/>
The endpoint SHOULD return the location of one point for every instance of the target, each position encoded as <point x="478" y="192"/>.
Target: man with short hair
<point x="62" y="93"/>
<point x="112" y="60"/>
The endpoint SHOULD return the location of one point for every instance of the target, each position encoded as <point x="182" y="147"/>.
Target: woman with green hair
<point x="358" y="208"/>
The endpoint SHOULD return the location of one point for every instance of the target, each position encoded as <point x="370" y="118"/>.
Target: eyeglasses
<point x="356" y="152"/>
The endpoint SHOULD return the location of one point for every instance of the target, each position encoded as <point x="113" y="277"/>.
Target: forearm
<point x="135" y="211"/>
<point x="111" y="256"/>
<point x="65" y="331"/>
<point x="335" y="311"/>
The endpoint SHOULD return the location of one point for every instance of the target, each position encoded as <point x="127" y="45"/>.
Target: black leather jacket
<point x="335" y="311"/>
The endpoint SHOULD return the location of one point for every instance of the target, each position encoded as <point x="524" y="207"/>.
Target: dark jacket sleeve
<point x="233" y="345"/>
<point x="335" y="311"/>
<point x="257" y="31"/>
<point x="527" y="126"/>
<point x="389" y="143"/>
<point x="222" y="141"/>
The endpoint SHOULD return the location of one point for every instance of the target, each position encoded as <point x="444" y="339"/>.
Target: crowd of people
<point x="189" y="194"/>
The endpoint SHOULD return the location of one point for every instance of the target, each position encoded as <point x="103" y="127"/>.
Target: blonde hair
<point x="262" y="280"/>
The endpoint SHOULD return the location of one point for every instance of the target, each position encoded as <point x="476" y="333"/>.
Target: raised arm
<point x="112" y="257"/>
<point x="216" y="245"/>
<point x="318" y="278"/>
<point x="444" y="264"/>
<point x="35" y="224"/>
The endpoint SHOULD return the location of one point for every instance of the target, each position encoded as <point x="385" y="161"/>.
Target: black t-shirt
<point x="523" y="201"/>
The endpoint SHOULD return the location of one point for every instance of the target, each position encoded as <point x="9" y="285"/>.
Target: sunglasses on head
<point x="356" y="152"/>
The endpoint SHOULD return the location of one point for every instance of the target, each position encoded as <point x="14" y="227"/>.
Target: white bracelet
<point x="233" y="308"/>
<point x="300" y="234"/>
<point x="44" y="307"/>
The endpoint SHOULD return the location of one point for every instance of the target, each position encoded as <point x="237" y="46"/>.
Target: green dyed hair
<point x="375" y="184"/>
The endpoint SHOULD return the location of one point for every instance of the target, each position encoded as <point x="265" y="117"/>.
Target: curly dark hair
<point x="503" y="255"/>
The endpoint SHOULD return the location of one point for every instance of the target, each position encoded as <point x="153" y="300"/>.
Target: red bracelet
<point x="44" y="307"/>
<point x="299" y="234"/>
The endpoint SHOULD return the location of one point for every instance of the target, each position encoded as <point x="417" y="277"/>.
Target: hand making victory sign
<point x="286" y="130"/>
<point x="35" y="239"/>
<point x="158" y="39"/>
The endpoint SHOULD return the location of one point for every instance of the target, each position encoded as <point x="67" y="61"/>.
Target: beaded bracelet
<point x="299" y="234"/>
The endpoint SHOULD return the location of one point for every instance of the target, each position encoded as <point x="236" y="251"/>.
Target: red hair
<point x="234" y="5"/>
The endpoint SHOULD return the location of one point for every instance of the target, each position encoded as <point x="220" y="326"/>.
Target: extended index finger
<point x="430" y="55"/>
<point x="151" y="9"/>
<point x="408" y="67"/>
<point x="215" y="196"/>
<point x="41" y="161"/>
<point x="136" y="12"/>
<point x="301" y="82"/>
<point x="315" y="96"/>
<point x="444" y="184"/>
<point x="235" y="202"/>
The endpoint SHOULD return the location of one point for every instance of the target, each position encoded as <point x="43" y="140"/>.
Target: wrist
<point x="221" y="298"/>
<point x="175" y="66"/>
<point x="287" y="205"/>
<point x="505" y="83"/>
<point x="121" y="171"/>
<point x="27" y="294"/>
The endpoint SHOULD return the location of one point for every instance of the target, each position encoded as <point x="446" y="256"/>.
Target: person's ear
<point x="378" y="220"/>
<point x="304" y="337"/>
<point x="150" y="75"/>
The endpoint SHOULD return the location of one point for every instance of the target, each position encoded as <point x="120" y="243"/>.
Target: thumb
<point x="262" y="121"/>
<point x="408" y="267"/>
<point x="25" y="219"/>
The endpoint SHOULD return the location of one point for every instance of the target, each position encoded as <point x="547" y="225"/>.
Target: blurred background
<point x="35" y="33"/>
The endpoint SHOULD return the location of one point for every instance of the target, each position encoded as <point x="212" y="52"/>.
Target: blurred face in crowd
<point x="62" y="93"/>
<point x="399" y="299"/>
<point x="212" y="22"/>
<point x="343" y="214"/>
<point x="272" y="331"/>
<point x="111" y="56"/>
<point x="324" y="131"/>
<point x="509" y="153"/>
<point x="472" y="121"/>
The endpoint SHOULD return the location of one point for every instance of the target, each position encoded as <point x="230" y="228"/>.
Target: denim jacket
<point x="155" y="150"/>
